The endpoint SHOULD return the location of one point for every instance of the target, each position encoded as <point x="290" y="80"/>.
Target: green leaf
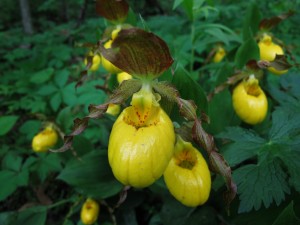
<point x="92" y="175"/>
<point x="182" y="80"/>
<point x="7" y="123"/>
<point x="12" y="162"/>
<point x="47" y="90"/>
<point x="261" y="183"/>
<point x="55" y="101"/>
<point x="247" y="51"/>
<point x="173" y="212"/>
<point x="251" y="22"/>
<point x="207" y="215"/>
<point x="30" y="128"/>
<point x="46" y="164"/>
<point x="34" y="215"/>
<point x="291" y="160"/>
<point x="61" y="78"/>
<point x="6" y="218"/>
<point x="219" y="119"/>
<point x="42" y="76"/>
<point x="188" y="6"/>
<point x="8" y="184"/>
<point x="287" y="216"/>
<point x="65" y="118"/>
<point x="177" y="3"/>
<point x="69" y="95"/>
<point x="246" y="144"/>
<point x="284" y="124"/>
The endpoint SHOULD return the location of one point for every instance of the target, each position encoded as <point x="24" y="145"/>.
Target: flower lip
<point x="252" y="86"/>
<point x="186" y="159"/>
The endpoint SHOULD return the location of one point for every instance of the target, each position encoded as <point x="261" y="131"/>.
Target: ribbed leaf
<point x="139" y="53"/>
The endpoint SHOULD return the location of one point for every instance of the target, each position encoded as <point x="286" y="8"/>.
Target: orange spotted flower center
<point x="186" y="159"/>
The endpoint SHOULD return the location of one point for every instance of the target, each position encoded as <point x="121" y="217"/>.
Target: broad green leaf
<point x="12" y="162"/>
<point x="35" y="215"/>
<point x="238" y="152"/>
<point x="207" y="215"/>
<point x="42" y="76"/>
<point x="83" y="145"/>
<point x="287" y="216"/>
<point x="214" y="29"/>
<point x="55" y="101"/>
<point x="46" y="164"/>
<point x="283" y="125"/>
<point x="7" y="123"/>
<point x="177" y="3"/>
<point x="219" y="119"/>
<point x="22" y="177"/>
<point x="239" y="134"/>
<point x="251" y="21"/>
<point x="247" y="51"/>
<point x="69" y="95"/>
<point x="291" y="159"/>
<point x="8" y="184"/>
<point x="65" y="118"/>
<point x="188" y="6"/>
<point x="6" y="218"/>
<point x="261" y="183"/>
<point x="92" y="175"/>
<point x="30" y="128"/>
<point x="190" y="89"/>
<point x="47" y="90"/>
<point x="61" y="78"/>
<point x="173" y="212"/>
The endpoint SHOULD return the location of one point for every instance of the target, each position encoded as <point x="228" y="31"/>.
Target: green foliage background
<point x="38" y="75"/>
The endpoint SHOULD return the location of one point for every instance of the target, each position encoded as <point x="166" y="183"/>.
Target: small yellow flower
<point x="89" y="212"/>
<point x="187" y="175"/>
<point x="268" y="51"/>
<point x="249" y="101"/>
<point x="44" y="140"/>
<point x="219" y="55"/>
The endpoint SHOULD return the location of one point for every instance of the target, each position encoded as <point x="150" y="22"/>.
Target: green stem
<point x="59" y="203"/>
<point x="70" y="213"/>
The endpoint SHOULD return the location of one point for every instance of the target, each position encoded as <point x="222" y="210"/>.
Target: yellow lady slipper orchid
<point x="141" y="142"/>
<point x="95" y="61"/>
<point x="89" y="212"/>
<point x="268" y="51"/>
<point x="187" y="175"/>
<point x="249" y="101"/>
<point x="107" y="64"/>
<point x="219" y="55"/>
<point x="123" y="76"/>
<point x="44" y="140"/>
